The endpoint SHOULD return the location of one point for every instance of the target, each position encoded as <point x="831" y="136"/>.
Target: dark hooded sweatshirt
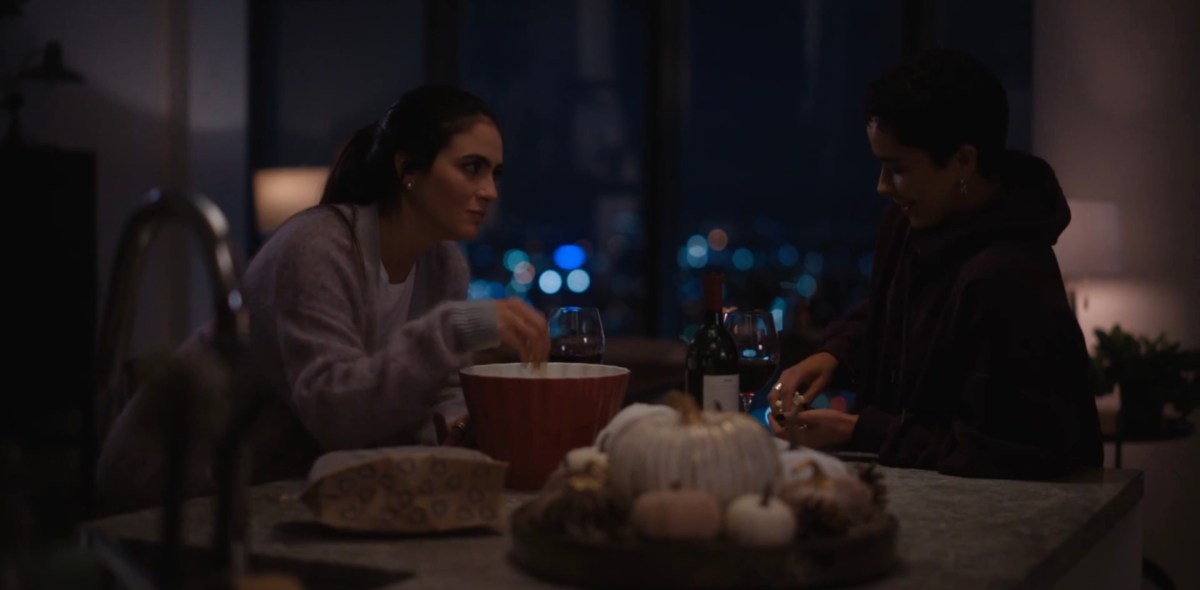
<point x="967" y="357"/>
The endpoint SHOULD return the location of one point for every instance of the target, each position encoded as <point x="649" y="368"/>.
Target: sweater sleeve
<point x="346" y="395"/>
<point x="1023" y="411"/>
<point x="844" y="340"/>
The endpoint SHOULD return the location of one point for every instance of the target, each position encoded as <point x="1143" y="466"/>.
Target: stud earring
<point x="408" y="186"/>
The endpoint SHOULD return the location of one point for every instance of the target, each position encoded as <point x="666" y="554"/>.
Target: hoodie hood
<point x="1030" y="206"/>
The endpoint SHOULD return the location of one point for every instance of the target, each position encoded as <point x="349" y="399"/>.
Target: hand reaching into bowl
<point x="523" y="329"/>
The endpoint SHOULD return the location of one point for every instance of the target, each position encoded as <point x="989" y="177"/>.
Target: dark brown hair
<point x="418" y="125"/>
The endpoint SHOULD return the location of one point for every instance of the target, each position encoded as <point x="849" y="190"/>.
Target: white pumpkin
<point x="628" y="415"/>
<point x="760" y="520"/>
<point x="578" y="459"/>
<point x="724" y="453"/>
<point x="803" y="464"/>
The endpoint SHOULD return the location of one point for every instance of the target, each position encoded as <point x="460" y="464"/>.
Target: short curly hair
<point x="939" y="100"/>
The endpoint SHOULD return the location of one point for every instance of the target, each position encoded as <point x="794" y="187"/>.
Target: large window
<point x="769" y="176"/>
<point x="778" y="182"/>
<point x="567" y="82"/>
<point x="776" y="186"/>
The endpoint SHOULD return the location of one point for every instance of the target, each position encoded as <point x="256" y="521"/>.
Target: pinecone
<point x="874" y="480"/>
<point x="574" y="503"/>
<point x="829" y="506"/>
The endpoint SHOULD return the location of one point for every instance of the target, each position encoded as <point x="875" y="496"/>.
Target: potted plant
<point x="1150" y="374"/>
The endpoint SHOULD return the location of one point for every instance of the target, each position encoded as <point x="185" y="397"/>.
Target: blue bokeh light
<point x="743" y="259"/>
<point x="788" y="255"/>
<point x="578" y="280"/>
<point x="550" y="282"/>
<point x="479" y="289"/>
<point x="569" y="256"/>
<point x="516" y="287"/>
<point x="514" y="257"/>
<point x="806" y="285"/>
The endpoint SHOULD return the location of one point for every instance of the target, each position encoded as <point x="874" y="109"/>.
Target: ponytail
<point x="361" y="174"/>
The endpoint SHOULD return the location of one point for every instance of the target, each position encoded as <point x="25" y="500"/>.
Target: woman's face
<point x="925" y="192"/>
<point x="454" y="194"/>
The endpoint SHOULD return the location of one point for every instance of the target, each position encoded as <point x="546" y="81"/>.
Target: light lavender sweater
<point x="313" y="330"/>
<point x="337" y="382"/>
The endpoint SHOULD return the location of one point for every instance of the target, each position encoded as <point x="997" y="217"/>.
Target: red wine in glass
<point x="576" y="335"/>
<point x="754" y="374"/>
<point x="758" y="344"/>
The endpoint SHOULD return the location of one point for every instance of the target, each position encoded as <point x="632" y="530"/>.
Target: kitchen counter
<point x="954" y="533"/>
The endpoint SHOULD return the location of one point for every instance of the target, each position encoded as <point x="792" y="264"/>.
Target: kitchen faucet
<point x="231" y="326"/>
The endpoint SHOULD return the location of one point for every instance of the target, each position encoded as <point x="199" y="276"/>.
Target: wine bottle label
<point x="722" y="391"/>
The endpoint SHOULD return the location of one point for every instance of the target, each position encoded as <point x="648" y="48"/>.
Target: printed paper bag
<point x="407" y="489"/>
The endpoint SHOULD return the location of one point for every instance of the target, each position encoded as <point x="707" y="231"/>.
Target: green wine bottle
<point x="712" y="363"/>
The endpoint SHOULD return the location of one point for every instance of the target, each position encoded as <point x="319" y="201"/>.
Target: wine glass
<point x="576" y="335"/>
<point x="757" y="342"/>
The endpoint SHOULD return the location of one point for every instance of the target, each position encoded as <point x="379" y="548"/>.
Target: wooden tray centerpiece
<point x="672" y="496"/>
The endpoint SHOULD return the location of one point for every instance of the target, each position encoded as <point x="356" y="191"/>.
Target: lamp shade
<point x="1091" y="244"/>
<point x="280" y="193"/>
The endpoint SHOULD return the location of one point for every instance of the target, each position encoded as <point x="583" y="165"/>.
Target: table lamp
<point x="1090" y="246"/>
<point x="280" y="193"/>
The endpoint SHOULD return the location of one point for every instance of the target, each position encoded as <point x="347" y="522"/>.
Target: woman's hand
<point x="457" y="434"/>
<point x="807" y="378"/>
<point x="523" y="329"/>
<point x="822" y="429"/>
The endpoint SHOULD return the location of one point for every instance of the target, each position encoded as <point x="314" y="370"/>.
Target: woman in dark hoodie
<point x="966" y="358"/>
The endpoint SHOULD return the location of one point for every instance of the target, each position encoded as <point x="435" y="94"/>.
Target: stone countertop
<point x="954" y="533"/>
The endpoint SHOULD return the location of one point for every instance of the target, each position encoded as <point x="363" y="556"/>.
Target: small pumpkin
<point x="760" y="520"/>
<point x="628" y="415"/>
<point x="578" y="459"/>
<point x="726" y="454"/>
<point x="677" y="515"/>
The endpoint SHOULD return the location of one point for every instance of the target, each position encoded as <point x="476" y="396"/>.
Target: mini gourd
<point x="677" y="515"/>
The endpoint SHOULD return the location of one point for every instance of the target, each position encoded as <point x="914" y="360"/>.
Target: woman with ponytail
<point x="359" y="317"/>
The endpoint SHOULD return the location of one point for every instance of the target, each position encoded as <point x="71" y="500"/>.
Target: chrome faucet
<point x="232" y="321"/>
<point x="230" y="336"/>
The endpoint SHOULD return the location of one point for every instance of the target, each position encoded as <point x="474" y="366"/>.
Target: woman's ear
<point x="399" y="161"/>
<point x="967" y="159"/>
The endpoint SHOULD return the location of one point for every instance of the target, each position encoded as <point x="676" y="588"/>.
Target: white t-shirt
<point x="394" y="300"/>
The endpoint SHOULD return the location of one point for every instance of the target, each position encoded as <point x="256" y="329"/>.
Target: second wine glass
<point x="576" y="335"/>
<point x="757" y="342"/>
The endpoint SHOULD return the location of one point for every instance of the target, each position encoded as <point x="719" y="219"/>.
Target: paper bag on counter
<point x="407" y="489"/>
